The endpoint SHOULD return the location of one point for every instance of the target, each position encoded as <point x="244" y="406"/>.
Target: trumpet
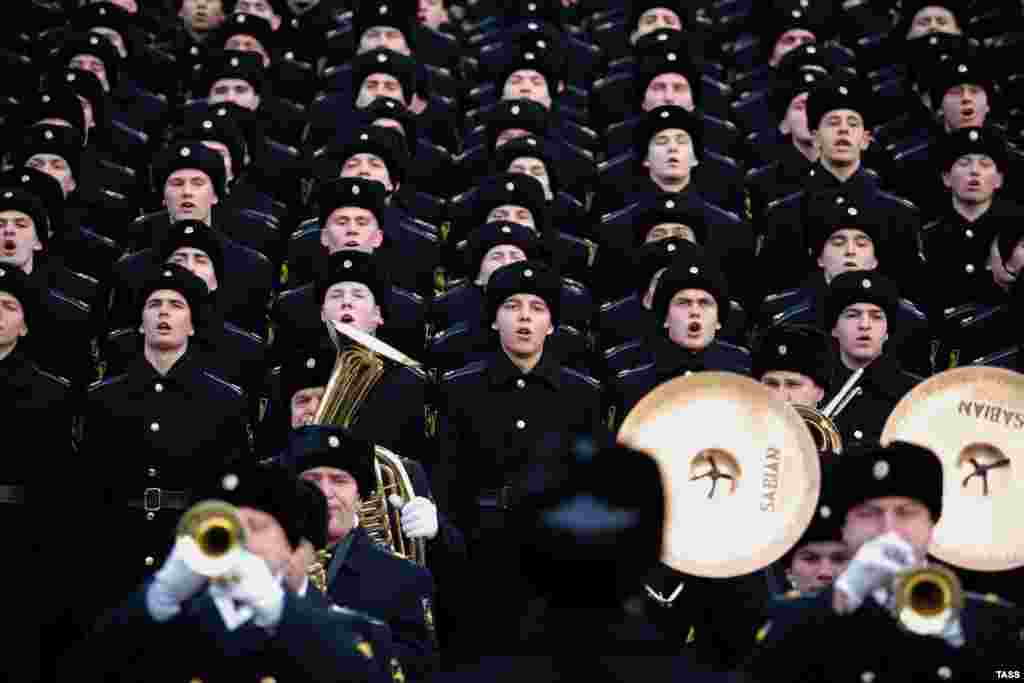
<point x="822" y="422"/>
<point x="927" y="599"/>
<point x="217" y="529"/>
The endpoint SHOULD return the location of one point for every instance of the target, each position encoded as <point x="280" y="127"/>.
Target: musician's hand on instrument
<point x="874" y="566"/>
<point x="298" y="564"/>
<point x="175" y="582"/>
<point x="419" y="517"/>
<point x="254" y="585"/>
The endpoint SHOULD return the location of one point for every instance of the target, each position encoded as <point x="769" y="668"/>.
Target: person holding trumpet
<point x="909" y="618"/>
<point x="223" y="605"/>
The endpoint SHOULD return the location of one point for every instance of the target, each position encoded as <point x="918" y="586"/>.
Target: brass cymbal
<point x="741" y="471"/>
<point x="973" y="418"/>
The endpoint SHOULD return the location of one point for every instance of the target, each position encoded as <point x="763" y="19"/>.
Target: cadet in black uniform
<point x="360" y="574"/>
<point x="253" y="628"/>
<point x="889" y="502"/>
<point x="860" y="308"/>
<point x="177" y="420"/>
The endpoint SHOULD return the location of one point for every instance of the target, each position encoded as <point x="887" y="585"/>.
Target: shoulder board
<point x="723" y="212"/>
<point x="930" y="225"/>
<point x="454" y="288"/>
<point x="755" y="174"/>
<point x="355" y="614"/>
<point x="582" y="377"/>
<point x="56" y="379"/>
<point x="418" y="372"/>
<point x="734" y="348"/>
<point x="619" y="213"/>
<point x="110" y="194"/>
<point x="906" y="203"/>
<point x="629" y="372"/>
<point x="569" y="283"/>
<point x="610" y="305"/>
<point x="791" y="312"/>
<point x="781" y="295"/>
<point x="107" y="381"/>
<point x="911" y="307"/>
<point x="234" y="388"/>
<point x="988" y="599"/>
<point x="474" y="368"/>
<point x="785" y="199"/>
<point x="238" y="331"/>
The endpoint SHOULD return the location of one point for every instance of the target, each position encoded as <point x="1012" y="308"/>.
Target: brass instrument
<point x="317" y="571"/>
<point x="219" y="535"/>
<point x="822" y="422"/>
<point x="927" y="599"/>
<point x="741" y="472"/>
<point x="362" y="360"/>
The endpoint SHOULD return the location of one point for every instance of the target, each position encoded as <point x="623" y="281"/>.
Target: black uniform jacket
<point x="310" y="643"/>
<point x="804" y="640"/>
<point x="394" y="590"/>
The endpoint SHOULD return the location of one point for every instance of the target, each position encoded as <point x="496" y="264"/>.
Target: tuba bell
<point x="362" y="360"/>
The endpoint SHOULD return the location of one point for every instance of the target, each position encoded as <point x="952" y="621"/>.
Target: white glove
<point x="257" y="588"/>
<point x="419" y="517"/>
<point x="874" y="566"/>
<point x="174" y="582"/>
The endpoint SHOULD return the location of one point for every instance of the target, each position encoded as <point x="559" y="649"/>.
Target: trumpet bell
<point x="927" y="599"/>
<point x="973" y="419"/>
<point x="219" y="537"/>
<point x="741" y="472"/>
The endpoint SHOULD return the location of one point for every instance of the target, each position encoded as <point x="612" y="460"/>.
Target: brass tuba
<point x="822" y="422"/>
<point x="362" y="360"/>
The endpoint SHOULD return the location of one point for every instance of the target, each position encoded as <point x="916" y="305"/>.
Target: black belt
<point x="156" y="499"/>
<point x="12" y="495"/>
<point x="501" y="499"/>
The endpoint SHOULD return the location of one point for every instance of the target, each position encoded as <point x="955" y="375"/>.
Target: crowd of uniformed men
<point x="554" y="206"/>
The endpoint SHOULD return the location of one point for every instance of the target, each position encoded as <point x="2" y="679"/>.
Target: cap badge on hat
<point x="102" y="11"/>
<point x="961" y="68"/>
<point x="185" y="151"/>
<point x="865" y="283"/>
<point x="783" y="349"/>
<point x="670" y="203"/>
<point x="973" y="135"/>
<point x="223" y="111"/>
<point x="797" y="14"/>
<point x="880" y="470"/>
<point x="346" y="264"/>
<point x="694" y="270"/>
<point x="662" y="36"/>
<point x="189" y="230"/>
<point x="811" y="50"/>
<point x="355" y="189"/>
<point x="515" y="110"/>
<point x="664" y="114"/>
<point x="527" y="273"/>
<point x="48" y="134"/>
<point x="168" y="273"/>
<point x="230" y="482"/>
<point x="234" y="61"/>
<point x="382" y="58"/>
<point x="364" y="136"/>
<point x="843" y="90"/>
<point x="333" y="441"/>
<point x="852" y="211"/>
<point x="808" y="78"/>
<point x="531" y="141"/>
<point x="240" y="18"/>
<point x="933" y="41"/>
<point x="310" y="363"/>
<point x="510" y="186"/>
<point x="670" y="247"/>
<point x="93" y="40"/>
<point x="505" y="229"/>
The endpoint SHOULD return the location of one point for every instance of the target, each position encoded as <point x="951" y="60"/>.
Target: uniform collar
<point x="882" y="375"/>
<point x="502" y="371"/>
<point x="14" y="369"/>
<point x="671" y="360"/>
<point x="820" y="178"/>
<point x="185" y="370"/>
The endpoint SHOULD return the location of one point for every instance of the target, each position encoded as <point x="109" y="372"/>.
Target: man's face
<point x="379" y="85"/>
<point x="964" y="106"/>
<point x="795" y="123"/>
<point x="692" y="319"/>
<point x="663" y="231"/>
<point x="259" y="8"/>
<point x="527" y="84"/>
<point x="352" y="303"/>
<point x="202" y="16"/>
<point x="789" y="41"/>
<point x="351" y="227"/>
<point x="236" y="91"/>
<point x="304" y="404"/>
<point x="225" y="154"/>
<point x="266" y="538"/>
<point x="369" y="166"/>
<point x="523" y="323"/>
<point x="198" y="262"/>
<point x="431" y="13"/>
<point x="513" y="214"/>
<point x="166" y="320"/>
<point x="18" y="240"/>
<point x="847" y="249"/>
<point x="243" y="42"/>
<point x="861" y="330"/>
<point x="816" y="565"/>
<point x="188" y="193"/>
<point x="841" y="137"/>
<point x="670" y="155"/>
<point x="342" y="493"/>
<point x="793" y="387"/>
<point x="932" y="19"/>
<point x="877" y="516"/>
<point x="654" y="19"/>
<point x="12" y="321"/>
<point x="508" y="135"/>
<point x="93" y="64"/>
<point x="974" y="178"/>
<point x="532" y="166"/>
<point x="56" y="167"/>
<point x="496" y="257"/>
<point x="668" y="89"/>
<point x="386" y="37"/>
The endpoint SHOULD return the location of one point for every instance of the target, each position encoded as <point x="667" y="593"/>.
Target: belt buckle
<point x="151" y="500"/>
